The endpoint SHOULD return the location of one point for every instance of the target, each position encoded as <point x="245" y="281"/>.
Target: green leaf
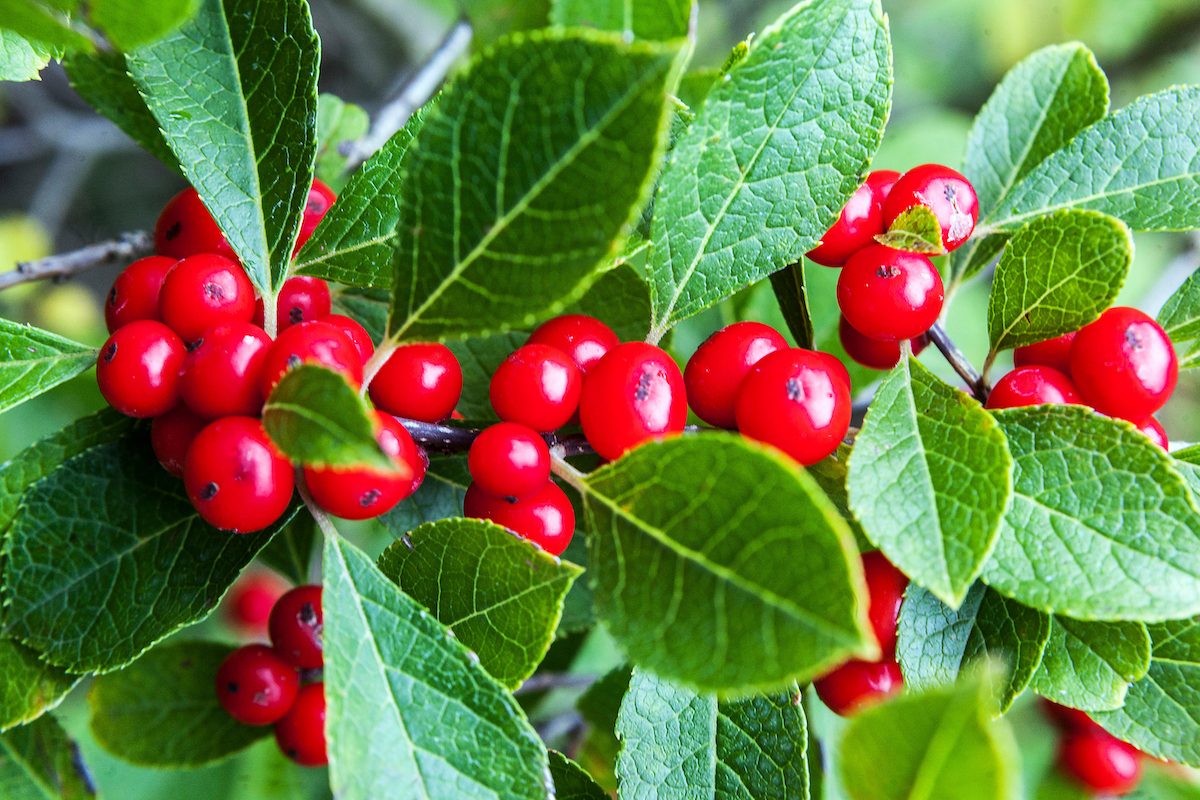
<point x="440" y="496"/>
<point x="724" y="519"/>
<point x="1057" y="274"/>
<point x="317" y="418"/>
<point x="39" y="762"/>
<point x="239" y="80"/>
<point x="21" y="59"/>
<point x="1041" y="104"/>
<point x="831" y="475"/>
<point x="163" y="711"/>
<point x="42" y="22"/>
<point x="290" y="551"/>
<point x="411" y="714"/>
<point x="571" y="782"/>
<point x="790" y="291"/>
<point x="778" y="146"/>
<point x="1101" y="527"/>
<point x="916" y="230"/>
<point x="937" y="643"/>
<point x="338" y="125"/>
<point x="29" y="687"/>
<point x="762" y="748"/>
<point x="1180" y="318"/>
<point x="648" y="19"/>
<point x="133" y="23"/>
<point x="33" y="361"/>
<point x="940" y="522"/>
<point x="1089" y="665"/>
<point x="470" y="262"/>
<point x="500" y="595"/>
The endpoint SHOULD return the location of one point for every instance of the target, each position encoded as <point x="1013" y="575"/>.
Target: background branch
<point x="126" y="247"/>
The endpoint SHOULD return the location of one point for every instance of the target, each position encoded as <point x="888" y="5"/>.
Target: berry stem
<point x="271" y="314"/>
<point x="943" y="342"/>
<point x="571" y="476"/>
<point x="375" y="363"/>
<point x="320" y="517"/>
<point x="125" y="248"/>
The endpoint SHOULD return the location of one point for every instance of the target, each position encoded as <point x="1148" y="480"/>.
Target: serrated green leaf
<point x="571" y="782"/>
<point x="338" y="125"/>
<point x="440" y="495"/>
<point x="42" y="22"/>
<point x="470" y="262"/>
<point x="1089" y="665"/>
<point x="39" y="762"/>
<point x="1180" y="318"/>
<point x="1101" y="526"/>
<point x="235" y="93"/>
<point x="133" y="23"/>
<point x="939" y="523"/>
<point x="725" y="518"/>
<point x="163" y="710"/>
<point x="410" y="713"/>
<point x="29" y="687"/>
<point x="779" y="145"/>
<point x="21" y="59"/>
<point x="916" y="230"/>
<point x="648" y="19"/>
<point x="790" y="291"/>
<point x="33" y="361"/>
<point x="1057" y="274"/>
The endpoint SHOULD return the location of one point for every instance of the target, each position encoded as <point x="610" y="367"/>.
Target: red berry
<point x="1032" y="386"/>
<point x="171" y="435"/>
<point x="857" y="684"/>
<point x="1124" y="364"/>
<point x="797" y="400"/>
<point x="419" y="381"/>
<point x="310" y="343"/>
<point x="632" y="395"/>
<point x="585" y="339"/>
<point x="255" y="686"/>
<point x="320" y="198"/>
<point x="509" y="460"/>
<point x="296" y="627"/>
<point x="185" y="228"/>
<point x="545" y="517"/>
<point x="716" y="370"/>
<point x="301" y="734"/>
<point x="202" y="291"/>
<point x="1101" y="762"/>
<point x="856" y="227"/>
<point x="301" y="299"/>
<point x="1054" y="353"/>
<point x="221" y="373"/>
<point x="235" y="477"/>
<point x="1153" y="430"/>
<point x="1069" y="719"/>
<point x="138" y="369"/>
<point x="361" y="493"/>
<point x="874" y="353"/>
<point x="881" y="182"/>
<point x="354" y="332"/>
<point x="945" y="192"/>
<point x="134" y="294"/>
<point x="537" y="386"/>
<point x="889" y="294"/>
<point x="885" y="587"/>
<point x="249" y="602"/>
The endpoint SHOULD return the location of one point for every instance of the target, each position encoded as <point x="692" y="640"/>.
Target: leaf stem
<point x="320" y="517"/>
<point x="573" y="477"/>
<point x="964" y="368"/>
<point x="126" y="247"/>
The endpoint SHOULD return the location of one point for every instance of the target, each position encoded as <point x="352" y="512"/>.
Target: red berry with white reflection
<point x="537" y="386"/>
<point x="1124" y="364"/>
<point x="857" y="684"/>
<point x="185" y="228"/>
<point x="310" y="343"/>
<point x="364" y="493"/>
<point x="249" y="602"/>
<point x="890" y="294"/>
<point x="947" y="193"/>
<point x="202" y="291"/>
<point x="885" y="587"/>
<point x="1101" y="762"/>
<point x="509" y="460"/>
<point x="301" y="299"/>
<point x="1032" y="386"/>
<point x="633" y="395"/>
<point x="235" y="477"/>
<point x="874" y="353"/>
<point x="881" y="182"/>
<point x="716" y="370"/>
<point x="798" y="401"/>
<point x="134" y="294"/>
<point x="859" y="223"/>
<point x="585" y="339"/>
<point x="221" y="374"/>
<point x="419" y="381"/>
<point x="1153" y="430"/>
<point x="255" y="686"/>
<point x="1054" y="353"/>
<point x="355" y="332"/>
<point x="320" y="198"/>
<point x="301" y="734"/>
<point x="296" y="625"/>
<point x="137" y="369"/>
<point x="544" y="517"/>
<point x="171" y="435"/>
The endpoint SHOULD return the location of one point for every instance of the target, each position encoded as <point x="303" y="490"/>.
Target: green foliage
<point x="44" y="23"/>
<point x="21" y="59"/>
<point x="33" y="361"/>
<point x="290" y="551"/>
<point x="1180" y="318"/>
<point x="661" y="20"/>
<point x="132" y="23"/>
<point x="916" y="230"/>
<point x="338" y="124"/>
<point x="1089" y="665"/>
<point x="571" y="782"/>
<point x="792" y="295"/>
<point x="440" y="496"/>
<point x="39" y="762"/>
<point x="28" y="686"/>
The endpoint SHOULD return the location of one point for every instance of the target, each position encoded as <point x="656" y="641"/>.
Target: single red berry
<point x="1153" y="430"/>
<point x="797" y="401"/>
<point x="1054" y="353"/>
<point x="255" y="686"/>
<point x="881" y="182"/>
<point x="296" y="626"/>
<point x="134" y="294"/>
<point x="185" y="228"/>
<point x="885" y="587"/>
<point x="361" y="493"/>
<point x="1101" y="762"/>
<point x="509" y="460"/>
<point x="251" y="598"/>
<point x="856" y="227"/>
<point x="354" y="332"/>
<point x="235" y="477"/>
<point x="301" y="734"/>
<point x="545" y="517"/>
<point x="889" y="294"/>
<point x="634" y="394"/>
<point x="585" y="339"/>
<point x="138" y="369"/>
<point x="202" y="291"/>
<point x="857" y="684"/>
<point x="1124" y="364"/>
<point x="945" y="192"/>
<point x="171" y="435"/>
<point x="419" y="381"/>
<point x="320" y="198"/>
<point x="1068" y="719"/>
<point x="221" y="374"/>
<point x="301" y="299"/>
<point x="716" y="370"/>
<point x="1033" y="386"/>
<point x="874" y="353"/>
<point x="537" y="386"/>
<point x="310" y="343"/>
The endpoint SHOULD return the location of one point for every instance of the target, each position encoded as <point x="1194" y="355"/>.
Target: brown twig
<point x="126" y="247"/>
<point x="964" y="368"/>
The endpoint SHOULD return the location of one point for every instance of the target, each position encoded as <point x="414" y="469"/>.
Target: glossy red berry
<point x="202" y="291"/>
<point x="419" y="381"/>
<point x="1153" y="430"/>
<point x="1124" y="364"/>
<point x="509" y="460"/>
<point x="716" y="370"/>
<point x="355" y="332"/>
<point x="797" y="400"/>
<point x="1054" y="353"/>
<point x="889" y="294"/>
<point x="885" y="587"/>
<point x="296" y="625"/>
<point x="1068" y="719"/>
<point x="255" y="686"/>
<point x="945" y="192"/>
<point x="301" y="734"/>
<point x="633" y="395"/>
<point x="185" y="228"/>
<point x="171" y="435"/>
<point x="1101" y="762"/>
<point x="235" y="477"/>
<point x="134" y="294"/>
<point x="310" y="343"/>
<point x="1032" y="386"/>
<point x="361" y="493"/>
<point x="221" y="374"/>
<point x="857" y="684"/>
<point x="856" y="227"/>
<point x="251" y="598"/>
<point x="874" y="353"/>
<point x="137" y="369"/>
<point x="585" y="339"/>
<point x="544" y="517"/>
<point x="537" y="386"/>
<point x="881" y="182"/>
<point x="320" y="198"/>
<point x="301" y="299"/>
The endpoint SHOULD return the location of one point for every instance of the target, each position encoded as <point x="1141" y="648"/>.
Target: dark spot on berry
<point x="109" y="353"/>
<point x="368" y="498"/>
<point x="951" y="193"/>
<point x="174" y="230"/>
<point x="1132" y="340"/>
<point x="294" y="361"/>
<point x="112" y="296"/>
<point x="307" y="615"/>
<point x="292" y="753"/>
<point x="231" y="687"/>
<point x="209" y="491"/>
<point x="214" y="291"/>
<point x="510" y="499"/>
<point x="795" y="391"/>
<point x="261" y="698"/>
<point x="296" y="314"/>
<point x="643" y="387"/>
<point x="887" y="271"/>
<point x="194" y="346"/>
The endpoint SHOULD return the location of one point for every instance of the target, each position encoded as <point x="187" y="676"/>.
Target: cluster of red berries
<point x="280" y="684"/>
<point x="1093" y="757"/>
<point x="1122" y="365"/>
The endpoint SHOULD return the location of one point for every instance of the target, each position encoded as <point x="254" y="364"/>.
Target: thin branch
<point x="126" y="247"/>
<point x="943" y="342"/>
<point x="445" y="439"/>
<point x="546" y="681"/>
